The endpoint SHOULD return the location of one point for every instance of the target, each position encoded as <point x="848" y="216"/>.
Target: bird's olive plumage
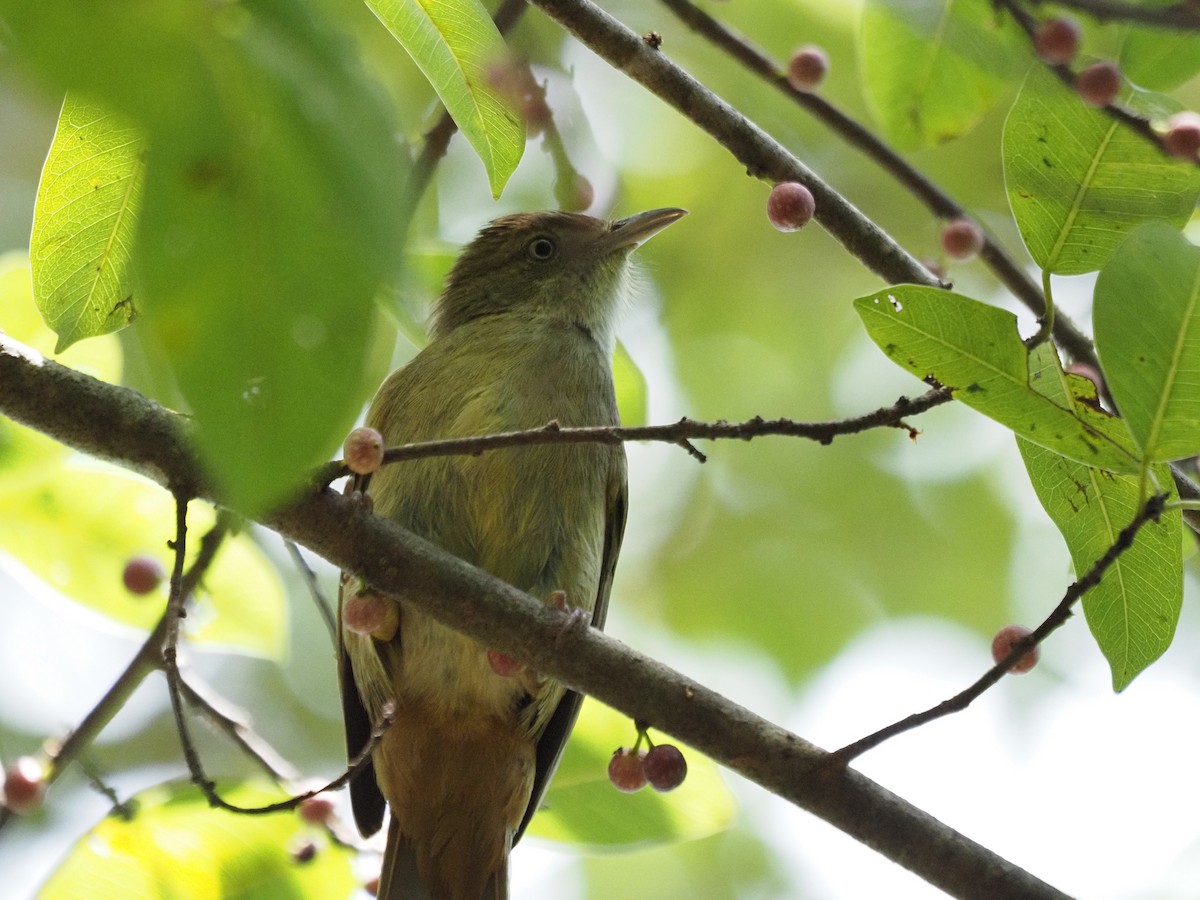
<point x="522" y="336"/>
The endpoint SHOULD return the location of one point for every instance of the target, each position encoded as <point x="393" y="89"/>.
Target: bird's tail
<point x="400" y="878"/>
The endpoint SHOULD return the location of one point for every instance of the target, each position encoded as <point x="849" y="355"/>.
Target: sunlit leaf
<point x="457" y="46"/>
<point x="84" y="220"/>
<point x="1147" y="319"/>
<point x="176" y="845"/>
<point x="932" y="68"/>
<point x="975" y="350"/>
<point x="1078" y="181"/>
<point x="630" y="385"/>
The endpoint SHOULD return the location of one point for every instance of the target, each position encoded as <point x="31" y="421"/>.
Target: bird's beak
<point x="636" y="230"/>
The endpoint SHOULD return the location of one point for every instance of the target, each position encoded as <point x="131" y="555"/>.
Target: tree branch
<point x="95" y="417"/>
<point x="762" y="155"/>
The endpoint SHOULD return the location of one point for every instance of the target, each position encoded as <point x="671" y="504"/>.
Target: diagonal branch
<point x="95" y="417"/>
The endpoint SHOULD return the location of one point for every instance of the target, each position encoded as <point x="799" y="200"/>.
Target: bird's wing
<point x="562" y="720"/>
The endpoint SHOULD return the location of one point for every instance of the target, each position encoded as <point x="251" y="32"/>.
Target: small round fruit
<point x="371" y="613"/>
<point x="574" y="194"/>
<point x="665" y="767"/>
<point x="304" y="852"/>
<point x="24" y="785"/>
<point x="1002" y="645"/>
<point x="807" y="67"/>
<point x="625" y="770"/>
<point x="143" y="574"/>
<point x="1098" y="84"/>
<point x="1183" y="135"/>
<point x="1056" y="41"/>
<point x="363" y="451"/>
<point x="316" y="810"/>
<point x="371" y="886"/>
<point x="962" y="239"/>
<point x="790" y="206"/>
<point x="503" y="664"/>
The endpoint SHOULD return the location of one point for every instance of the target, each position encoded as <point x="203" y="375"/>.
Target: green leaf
<point x="83" y="222"/>
<point x="268" y="220"/>
<point x="1078" y="182"/>
<point x="1160" y="59"/>
<point x="457" y="45"/>
<point x="975" y="350"/>
<point x="582" y="806"/>
<point x="1133" y="611"/>
<point x="176" y="845"/>
<point x="1147" y="321"/>
<point x="932" y="68"/>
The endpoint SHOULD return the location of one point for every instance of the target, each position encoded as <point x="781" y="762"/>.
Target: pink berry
<point x="1183" y="135"/>
<point x="143" y="574"/>
<point x="790" y="206"/>
<point x="316" y="810"/>
<point x="962" y="239"/>
<point x="304" y="852"/>
<point x="807" y="67"/>
<point x="625" y="770"/>
<point x="371" y="613"/>
<point x="363" y="451"/>
<point x="1098" y="84"/>
<point x="665" y="767"/>
<point x="371" y="886"/>
<point x="24" y="785"/>
<point x="503" y="664"/>
<point x="1056" y="41"/>
<point x="1003" y="643"/>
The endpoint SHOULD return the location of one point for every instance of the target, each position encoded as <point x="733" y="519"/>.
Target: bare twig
<point x="960" y="701"/>
<point x="233" y="722"/>
<point x="314" y="588"/>
<point x="679" y="433"/>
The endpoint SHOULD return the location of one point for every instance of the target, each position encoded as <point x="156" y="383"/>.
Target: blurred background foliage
<point x="832" y="589"/>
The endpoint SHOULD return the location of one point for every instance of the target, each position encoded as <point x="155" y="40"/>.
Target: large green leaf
<point x="457" y="46"/>
<point x="582" y="807"/>
<point x="1147" y="320"/>
<point x="1078" y="181"/>
<point x="1134" y="609"/>
<point x="975" y="350"/>
<point x="1160" y="59"/>
<point x="932" y="68"/>
<point x="84" y="220"/>
<point x="269" y="214"/>
<point x="177" y="846"/>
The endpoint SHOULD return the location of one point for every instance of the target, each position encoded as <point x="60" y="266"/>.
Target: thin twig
<point x="1061" y="613"/>
<point x="314" y="588"/>
<point x="858" y="135"/>
<point x="679" y="433"/>
<point x="233" y="722"/>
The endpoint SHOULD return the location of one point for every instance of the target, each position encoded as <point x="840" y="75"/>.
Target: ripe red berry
<point x="143" y="574"/>
<point x="1002" y="645"/>
<point x="1099" y="83"/>
<point x="807" y="67"/>
<point x="503" y="664"/>
<point x="371" y="886"/>
<point x="625" y="770"/>
<point x="665" y="767"/>
<point x="1056" y="41"/>
<point x="371" y="613"/>
<point x="24" y="785"/>
<point x="962" y="239"/>
<point x="363" y="451"/>
<point x="316" y="810"/>
<point x="790" y="206"/>
<point x="1183" y="135"/>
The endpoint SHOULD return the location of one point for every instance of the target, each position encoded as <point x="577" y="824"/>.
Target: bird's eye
<point x="541" y="248"/>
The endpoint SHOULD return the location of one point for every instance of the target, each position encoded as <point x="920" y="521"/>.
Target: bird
<point x="522" y="336"/>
